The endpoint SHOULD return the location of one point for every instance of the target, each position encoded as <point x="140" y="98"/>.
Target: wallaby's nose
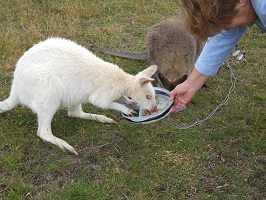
<point x="154" y="108"/>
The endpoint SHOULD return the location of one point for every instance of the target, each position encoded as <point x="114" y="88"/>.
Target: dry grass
<point x="222" y="159"/>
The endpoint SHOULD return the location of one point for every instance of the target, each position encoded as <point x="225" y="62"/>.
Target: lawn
<point x="223" y="158"/>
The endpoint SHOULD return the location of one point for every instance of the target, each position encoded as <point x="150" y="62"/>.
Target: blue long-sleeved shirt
<point x="218" y="47"/>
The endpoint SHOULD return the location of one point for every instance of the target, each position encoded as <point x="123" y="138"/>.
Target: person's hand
<point x="182" y="94"/>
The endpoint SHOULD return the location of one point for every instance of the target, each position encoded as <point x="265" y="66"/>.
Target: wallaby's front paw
<point x="130" y="112"/>
<point x="133" y="103"/>
<point x="129" y="101"/>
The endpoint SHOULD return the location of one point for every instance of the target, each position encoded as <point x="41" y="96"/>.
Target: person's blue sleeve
<point x="260" y="9"/>
<point x="217" y="49"/>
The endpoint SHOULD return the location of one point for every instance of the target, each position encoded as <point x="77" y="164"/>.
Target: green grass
<point x="224" y="158"/>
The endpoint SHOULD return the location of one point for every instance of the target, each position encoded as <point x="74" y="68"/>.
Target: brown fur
<point x="171" y="48"/>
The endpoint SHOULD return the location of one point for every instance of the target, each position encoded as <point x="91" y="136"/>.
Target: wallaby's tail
<point x="11" y="101"/>
<point x="125" y="54"/>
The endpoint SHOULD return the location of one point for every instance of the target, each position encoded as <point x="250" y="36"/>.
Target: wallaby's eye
<point x="148" y="96"/>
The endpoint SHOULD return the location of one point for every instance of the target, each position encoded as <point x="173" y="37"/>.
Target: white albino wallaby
<point x="58" y="72"/>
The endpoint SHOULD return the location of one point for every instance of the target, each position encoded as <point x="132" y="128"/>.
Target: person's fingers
<point x="177" y="109"/>
<point x="174" y="110"/>
<point x="172" y="95"/>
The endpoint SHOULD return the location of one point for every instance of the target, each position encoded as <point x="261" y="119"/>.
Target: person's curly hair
<point x="205" y="18"/>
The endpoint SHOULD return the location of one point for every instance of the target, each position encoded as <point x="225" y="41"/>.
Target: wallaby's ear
<point x="149" y="71"/>
<point x="144" y="80"/>
<point x="165" y="82"/>
<point x="180" y="80"/>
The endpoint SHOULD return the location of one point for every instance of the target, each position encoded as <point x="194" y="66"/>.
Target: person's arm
<point x="215" y="51"/>
<point x="184" y="92"/>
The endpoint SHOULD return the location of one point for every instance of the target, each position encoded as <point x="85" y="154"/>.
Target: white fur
<point x="58" y="72"/>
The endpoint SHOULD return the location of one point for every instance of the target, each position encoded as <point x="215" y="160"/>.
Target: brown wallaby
<point x="171" y="48"/>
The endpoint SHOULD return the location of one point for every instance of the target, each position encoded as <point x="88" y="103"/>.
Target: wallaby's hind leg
<point x="76" y="111"/>
<point x="11" y="101"/>
<point x="8" y="104"/>
<point x="44" y="129"/>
